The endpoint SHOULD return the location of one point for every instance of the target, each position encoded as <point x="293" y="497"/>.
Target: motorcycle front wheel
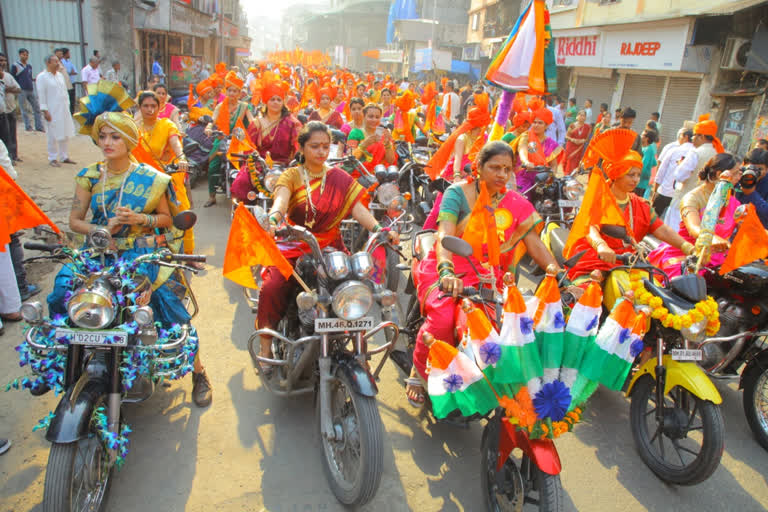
<point x="352" y="459"/>
<point x="518" y="483"/>
<point x="685" y="445"/>
<point x="755" y="401"/>
<point x="78" y="477"/>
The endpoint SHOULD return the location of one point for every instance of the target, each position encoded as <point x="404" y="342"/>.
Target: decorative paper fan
<point x="102" y="97"/>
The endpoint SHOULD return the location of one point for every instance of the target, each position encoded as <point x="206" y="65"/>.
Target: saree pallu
<point x="280" y="142"/>
<point x="670" y="259"/>
<point x="642" y="223"/>
<point x="332" y="205"/>
<point x="333" y="119"/>
<point x="154" y="150"/>
<point x="143" y="189"/>
<point x="515" y="218"/>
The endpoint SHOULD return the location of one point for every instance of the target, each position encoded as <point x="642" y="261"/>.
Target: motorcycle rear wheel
<point x="661" y="445"/>
<point x="755" y="400"/>
<point x="358" y="441"/>
<point x="512" y="488"/>
<point x="78" y="477"/>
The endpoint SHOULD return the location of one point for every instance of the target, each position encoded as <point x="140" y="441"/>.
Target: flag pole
<point x="301" y="281"/>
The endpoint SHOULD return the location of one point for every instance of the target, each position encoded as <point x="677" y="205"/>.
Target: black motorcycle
<point x="321" y="346"/>
<point x="107" y="350"/>
<point x="555" y="199"/>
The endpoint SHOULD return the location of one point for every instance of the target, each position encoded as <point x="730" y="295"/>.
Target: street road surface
<point x="251" y="451"/>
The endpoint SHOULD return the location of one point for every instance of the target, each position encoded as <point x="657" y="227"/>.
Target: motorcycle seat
<point x="668" y="297"/>
<point x="557" y="239"/>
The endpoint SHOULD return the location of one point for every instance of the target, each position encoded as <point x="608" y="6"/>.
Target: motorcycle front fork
<point x="661" y="379"/>
<point x="324" y="365"/>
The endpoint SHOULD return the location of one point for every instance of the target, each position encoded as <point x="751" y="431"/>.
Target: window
<point x="564" y="3"/>
<point x="475" y="21"/>
<point x="608" y="2"/>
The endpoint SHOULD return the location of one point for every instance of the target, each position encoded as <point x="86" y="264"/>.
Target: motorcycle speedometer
<point x="352" y="300"/>
<point x="92" y="307"/>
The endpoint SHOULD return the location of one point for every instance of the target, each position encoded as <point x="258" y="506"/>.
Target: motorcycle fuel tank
<point x="749" y="280"/>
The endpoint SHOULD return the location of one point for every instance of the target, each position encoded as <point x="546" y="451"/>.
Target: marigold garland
<point x="706" y="308"/>
<point x="521" y="409"/>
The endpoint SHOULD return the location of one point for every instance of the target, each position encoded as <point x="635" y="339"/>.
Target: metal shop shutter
<point x="599" y="90"/>
<point x="643" y="94"/>
<point x="678" y="106"/>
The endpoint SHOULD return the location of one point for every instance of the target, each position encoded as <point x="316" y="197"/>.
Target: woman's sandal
<point x="413" y="383"/>
<point x="209" y="203"/>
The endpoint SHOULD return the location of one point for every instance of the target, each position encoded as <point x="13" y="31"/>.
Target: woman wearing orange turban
<point x="324" y="111"/>
<point x="536" y="149"/>
<point x="611" y="201"/>
<point x="276" y="131"/>
<point x="458" y="147"/>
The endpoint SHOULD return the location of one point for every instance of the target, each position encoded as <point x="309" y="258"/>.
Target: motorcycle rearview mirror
<point x="439" y="185"/>
<point x="338" y="136"/>
<point x="457" y="246"/>
<point x="574" y="259"/>
<point x="421" y="140"/>
<point x="261" y="216"/>
<point x="184" y="220"/>
<point x="238" y="133"/>
<point x="468" y="168"/>
<point x="542" y="177"/>
<point x="615" y="231"/>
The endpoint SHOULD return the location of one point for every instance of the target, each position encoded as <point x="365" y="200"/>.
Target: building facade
<point x="676" y="58"/>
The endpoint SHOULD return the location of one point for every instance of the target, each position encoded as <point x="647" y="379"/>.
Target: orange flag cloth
<point x="750" y="243"/>
<point x="481" y="228"/>
<point x="239" y="146"/>
<point x="17" y="210"/>
<point x="250" y="245"/>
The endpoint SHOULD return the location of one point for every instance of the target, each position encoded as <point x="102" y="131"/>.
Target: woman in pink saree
<point x="692" y="209"/>
<point x="441" y="276"/>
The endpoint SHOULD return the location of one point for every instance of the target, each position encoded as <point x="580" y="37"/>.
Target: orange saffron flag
<point x="250" y="245"/>
<point x="17" y="210"/>
<point x="750" y="243"/>
<point x="481" y="228"/>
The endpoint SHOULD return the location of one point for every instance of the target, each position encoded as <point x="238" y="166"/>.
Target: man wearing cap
<point x="686" y="174"/>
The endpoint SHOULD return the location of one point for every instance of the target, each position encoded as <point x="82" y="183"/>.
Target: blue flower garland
<point x="111" y="440"/>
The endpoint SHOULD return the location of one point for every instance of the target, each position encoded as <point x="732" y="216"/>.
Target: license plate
<point x="681" y="354"/>
<point x="565" y="203"/>
<point x="94" y="338"/>
<point x="339" y="325"/>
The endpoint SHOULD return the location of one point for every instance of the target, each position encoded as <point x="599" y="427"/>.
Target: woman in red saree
<point x="576" y="137"/>
<point x="638" y="217"/>
<point x="333" y="196"/>
<point x="277" y="131"/>
<point x="386" y="102"/>
<point x="324" y="111"/>
<point x="373" y="144"/>
<point x="441" y="276"/>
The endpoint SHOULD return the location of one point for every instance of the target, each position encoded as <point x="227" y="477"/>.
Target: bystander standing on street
<point x="22" y="72"/>
<point x="74" y="78"/>
<point x="157" y="69"/>
<point x="54" y="103"/>
<point x="59" y="52"/>
<point x="91" y="73"/>
<point x="9" y="115"/>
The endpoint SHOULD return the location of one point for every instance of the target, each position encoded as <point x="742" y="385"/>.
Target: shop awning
<point x="724" y="8"/>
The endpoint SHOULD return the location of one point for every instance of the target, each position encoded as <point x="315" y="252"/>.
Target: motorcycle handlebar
<point x="39" y="246"/>
<point x="201" y="258"/>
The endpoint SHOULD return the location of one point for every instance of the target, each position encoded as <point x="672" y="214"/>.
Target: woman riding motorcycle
<point x="131" y="200"/>
<point x="692" y="207"/>
<point x="314" y="196"/>
<point x="441" y="276"/>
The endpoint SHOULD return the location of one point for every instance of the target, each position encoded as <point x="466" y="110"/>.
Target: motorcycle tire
<point x="365" y="479"/>
<point x="712" y="434"/>
<point x="510" y="488"/>
<point x="61" y="473"/>
<point x="755" y="383"/>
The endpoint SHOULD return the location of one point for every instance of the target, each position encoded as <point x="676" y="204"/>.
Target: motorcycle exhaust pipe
<point x="307" y="357"/>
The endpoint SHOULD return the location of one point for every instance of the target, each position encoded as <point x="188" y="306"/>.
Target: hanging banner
<point x="185" y="68"/>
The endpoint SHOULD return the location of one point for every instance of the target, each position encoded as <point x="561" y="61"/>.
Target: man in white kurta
<point x="54" y="105"/>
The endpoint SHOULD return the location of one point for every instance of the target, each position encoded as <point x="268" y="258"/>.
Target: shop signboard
<point x="651" y="48"/>
<point x="185" y="68"/>
<point x="425" y="59"/>
<point x="390" y="56"/>
<point x="578" y="50"/>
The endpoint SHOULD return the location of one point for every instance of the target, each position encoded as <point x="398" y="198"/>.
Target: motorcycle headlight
<point x="388" y="195"/>
<point x="573" y="190"/>
<point x="92" y="308"/>
<point x="270" y="180"/>
<point x="338" y="265"/>
<point x="421" y="158"/>
<point x="352" y="300"/>
<point x="696" y="332"/>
